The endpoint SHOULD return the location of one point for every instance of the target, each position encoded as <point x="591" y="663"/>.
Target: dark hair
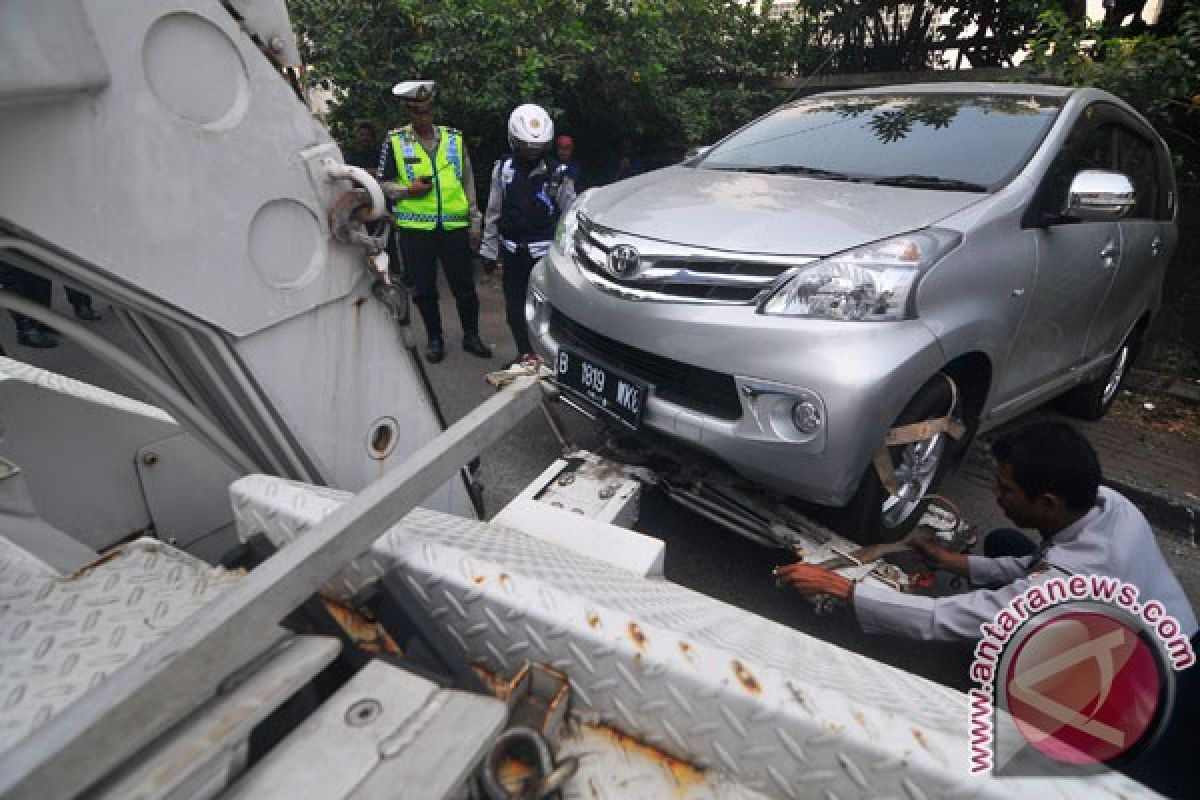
<point x="1051" y="457"/>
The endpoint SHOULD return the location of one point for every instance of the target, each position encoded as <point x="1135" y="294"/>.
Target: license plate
<point x="605" y="388"/>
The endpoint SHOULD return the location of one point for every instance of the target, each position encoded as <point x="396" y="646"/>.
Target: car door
<point x="1076" y="264"/>
<point x="1145" y="245"/>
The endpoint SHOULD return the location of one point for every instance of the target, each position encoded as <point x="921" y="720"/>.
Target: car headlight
<point x="874" y="282"/>
<point x="567" y="224"/>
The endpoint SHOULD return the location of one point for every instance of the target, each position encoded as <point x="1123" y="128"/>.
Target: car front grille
<point x="703" y="390"/>
<point x="673" y="273"/>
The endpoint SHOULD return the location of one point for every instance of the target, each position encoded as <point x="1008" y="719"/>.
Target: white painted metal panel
<point x="83" y="453"/>
<point x="385" y="734"/>
<point x="185" y="185"/>
<point x="205" y="752"/>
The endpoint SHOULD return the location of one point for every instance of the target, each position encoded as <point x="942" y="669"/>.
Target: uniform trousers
<point x="422" y="250"/>
<point x="517" y="267"/>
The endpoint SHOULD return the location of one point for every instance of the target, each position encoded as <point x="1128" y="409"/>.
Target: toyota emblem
<point x="624" y="260"/>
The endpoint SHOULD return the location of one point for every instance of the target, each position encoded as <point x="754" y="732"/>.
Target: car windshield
<point x="928" y="141"/>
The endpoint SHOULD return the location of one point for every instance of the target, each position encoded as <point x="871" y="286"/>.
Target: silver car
<point x="794" y="298"/>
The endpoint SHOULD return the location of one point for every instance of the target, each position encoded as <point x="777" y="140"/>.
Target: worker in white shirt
<point x="1048" y="479"/>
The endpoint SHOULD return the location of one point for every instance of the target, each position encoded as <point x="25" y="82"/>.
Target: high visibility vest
<point x="446" y="203"/>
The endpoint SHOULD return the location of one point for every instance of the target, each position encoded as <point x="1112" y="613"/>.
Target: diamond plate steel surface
<point x="778" y="711"/>
<point x="60" y="636"/>
<point x="615" y="767"/>
<point x="19" y="371"/>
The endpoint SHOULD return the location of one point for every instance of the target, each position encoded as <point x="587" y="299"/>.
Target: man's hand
<point x="420" y="186"/>
<point x="811" y="579"/>
<point x="474" y="239"/>
<point x="925" y="542"/>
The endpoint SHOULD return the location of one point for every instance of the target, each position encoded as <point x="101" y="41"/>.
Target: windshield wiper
<point x="930" y="182"/>
<point x="796" y="169"/>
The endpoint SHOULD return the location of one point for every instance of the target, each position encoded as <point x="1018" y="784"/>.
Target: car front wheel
<point x="876" y="515"/>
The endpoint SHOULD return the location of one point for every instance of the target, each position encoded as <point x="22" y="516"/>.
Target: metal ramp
<point x="763" y="706"/>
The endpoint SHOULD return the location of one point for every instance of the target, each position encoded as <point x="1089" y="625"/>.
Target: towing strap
<point x="915" y="432"/>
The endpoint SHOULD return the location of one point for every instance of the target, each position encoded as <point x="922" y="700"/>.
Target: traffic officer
<point x="529" y="192"/>
<point x="426" y="169"/>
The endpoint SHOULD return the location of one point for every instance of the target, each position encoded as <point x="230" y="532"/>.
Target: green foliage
<point x="1152" y="70"/>
<point x="678" y="73"/>
<point x="671" y="74"/>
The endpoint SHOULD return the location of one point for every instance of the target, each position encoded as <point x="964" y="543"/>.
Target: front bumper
<point x="860" y="374"/>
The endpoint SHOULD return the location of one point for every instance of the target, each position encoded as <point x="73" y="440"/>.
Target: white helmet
<point x="530" y="125"/>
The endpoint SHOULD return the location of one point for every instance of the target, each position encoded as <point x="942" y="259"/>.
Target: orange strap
<point x="915" y="432"/>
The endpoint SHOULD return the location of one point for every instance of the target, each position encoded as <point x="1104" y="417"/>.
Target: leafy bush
<point x="1152" y="70"/>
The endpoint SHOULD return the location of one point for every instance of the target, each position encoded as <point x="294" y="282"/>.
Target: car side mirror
<point x="1097" y="195"/>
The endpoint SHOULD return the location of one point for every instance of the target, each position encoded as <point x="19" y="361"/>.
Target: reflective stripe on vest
<point x="446" y="203"/>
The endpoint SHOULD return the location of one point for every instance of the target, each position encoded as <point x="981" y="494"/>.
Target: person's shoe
<point x="85" y="312"/>
<point x="475" y="346"/>
<point x="36" y="337"/>
<point x="435" y="351"/>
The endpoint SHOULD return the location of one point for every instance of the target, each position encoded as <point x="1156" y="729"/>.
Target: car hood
<point x="768" y="214"/>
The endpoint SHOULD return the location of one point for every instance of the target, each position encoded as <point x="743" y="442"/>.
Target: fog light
<point x="806" y="416"/>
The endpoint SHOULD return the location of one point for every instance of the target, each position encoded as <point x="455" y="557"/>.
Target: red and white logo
<point x="1083" y="685"/>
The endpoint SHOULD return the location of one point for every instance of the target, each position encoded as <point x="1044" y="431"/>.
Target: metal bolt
<point x="363" y="713"/>
<point x="149" y="459"/>
<point x="607" y="492"/>
<point x="566" y="480"/>
<point x="276" y="45"/>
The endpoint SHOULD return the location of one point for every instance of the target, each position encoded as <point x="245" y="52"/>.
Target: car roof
<point x="960" y="88"/>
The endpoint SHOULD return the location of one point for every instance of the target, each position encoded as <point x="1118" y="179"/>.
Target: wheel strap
<point x="915" y="432"/>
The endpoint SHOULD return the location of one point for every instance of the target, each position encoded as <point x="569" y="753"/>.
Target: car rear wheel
<point x="1093" y="399"/>
<point x="876" y="515"/>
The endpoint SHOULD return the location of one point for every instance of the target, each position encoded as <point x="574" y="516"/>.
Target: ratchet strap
<point x="915" y="432"/>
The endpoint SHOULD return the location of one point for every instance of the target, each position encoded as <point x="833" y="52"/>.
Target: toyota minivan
<point x="794" y="298"/>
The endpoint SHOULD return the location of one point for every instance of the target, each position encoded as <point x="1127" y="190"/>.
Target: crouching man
<point x="1047" y="479"/>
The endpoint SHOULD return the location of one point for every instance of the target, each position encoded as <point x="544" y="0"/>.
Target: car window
<point x="954" y="139"/>
<point x="1135" y="158"/>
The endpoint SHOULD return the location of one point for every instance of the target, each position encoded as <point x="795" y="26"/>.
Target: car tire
<point x="1093" y="399"/>
<point x="873" y="515"/>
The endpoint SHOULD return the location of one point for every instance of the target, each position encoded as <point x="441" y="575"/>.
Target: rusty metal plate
<point x="768" y="707"/>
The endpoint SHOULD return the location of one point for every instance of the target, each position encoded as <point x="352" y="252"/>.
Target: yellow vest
<point x="445" y="205"/>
